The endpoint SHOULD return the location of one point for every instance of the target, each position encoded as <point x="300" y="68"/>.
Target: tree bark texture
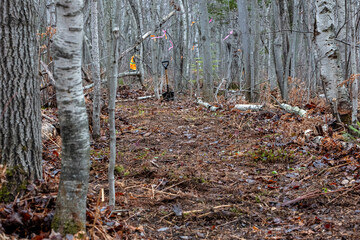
<point x="70" y="214"/>
<point x="245" y="44"/>
<point x="329" y="58"/>
<point x="95" y="70"/>
<point x="112" y="87"/>
<point x="154" y="55"/>
<point x="20" y="116"/>
<point x="208" y="87"/>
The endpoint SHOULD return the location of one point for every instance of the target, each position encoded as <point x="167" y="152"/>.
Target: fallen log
<point x="207" y="105"/>
<point x="245" y="107"/>
<point x="295" y="110"/>
<point x="291" y="109"/>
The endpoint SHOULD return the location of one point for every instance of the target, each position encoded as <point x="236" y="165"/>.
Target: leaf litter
<point x="184" y="172"/>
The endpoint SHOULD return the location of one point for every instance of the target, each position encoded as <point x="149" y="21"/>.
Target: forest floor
<point x="184" y="172"/>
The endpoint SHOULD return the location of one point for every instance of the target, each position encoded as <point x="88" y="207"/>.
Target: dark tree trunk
<point x="20" y="116"/>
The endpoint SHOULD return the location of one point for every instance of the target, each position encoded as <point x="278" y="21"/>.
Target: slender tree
<point x="245" y="44"/>
<point x="20" y="116"/>
<point x="154" y="52"/>
<point x="95" y="70"/>
<point x="355" y="87"/>
<point x="208" y="87"/>
<point x="70" y="214"/>
<point x="113" y="76"/>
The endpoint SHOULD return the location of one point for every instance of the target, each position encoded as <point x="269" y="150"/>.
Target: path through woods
<point x="187" y="173"/>
<point x="184" y="172"/>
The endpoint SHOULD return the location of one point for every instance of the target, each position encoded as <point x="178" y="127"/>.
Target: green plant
<point x="271" y="156"/>
<point x="235" y="210"/>
<point x="119" y="169"/>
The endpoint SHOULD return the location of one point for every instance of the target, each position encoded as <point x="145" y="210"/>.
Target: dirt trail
<point x="187" y="173"/>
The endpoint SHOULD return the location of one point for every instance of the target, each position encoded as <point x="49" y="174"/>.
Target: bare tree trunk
<point x="20" y="116"/>
<point x="208" y="87"/>
<point x="329" y="58"/>
<point x="254" y="56"/>
<point x="134" y="4"/>
<point x="185" y="52"/>
<point x="70" y="214"/>
<point x="141" y="28"/>
<point x="112" y="98"/>
<point x="354" y="66"/>
<point x="154" y="55"/>
<point x="95" y="70"/>
<point x="294" y="37"/>
<point x="51" y="13"/>
<point x="245" y="45"/>
<point x="278" y="52"/>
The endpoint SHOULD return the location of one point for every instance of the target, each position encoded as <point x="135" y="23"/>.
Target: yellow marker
<point x="132" y="63"/>
<point x="192" y="23"/>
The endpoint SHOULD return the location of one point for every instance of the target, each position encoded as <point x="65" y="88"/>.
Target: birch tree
<point x="70" y="214"/>
<point x="329" y="58"/>
<point x="20" y="118"/>
<point x="353" y="61"/>
<point x="208" y="87"/>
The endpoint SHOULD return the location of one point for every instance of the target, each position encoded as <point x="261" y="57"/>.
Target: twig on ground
<point x="331" y="168"/>
<point x="158" y="191"/>
<point x="175" y="185"/>
<point x="203" y="210"/>
<point x="346" y="192"/>
<point x="317" y="194"/>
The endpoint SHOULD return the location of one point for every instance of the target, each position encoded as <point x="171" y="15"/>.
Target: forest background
<point x="220" y="52"/>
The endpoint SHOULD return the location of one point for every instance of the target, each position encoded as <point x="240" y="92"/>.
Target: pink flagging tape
<point x="228" y="36"/>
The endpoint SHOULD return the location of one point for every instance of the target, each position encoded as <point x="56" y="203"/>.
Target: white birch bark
<point x="329" y="59"/>
<point x="355" y="87"/>
<point x="73" y="186"/>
